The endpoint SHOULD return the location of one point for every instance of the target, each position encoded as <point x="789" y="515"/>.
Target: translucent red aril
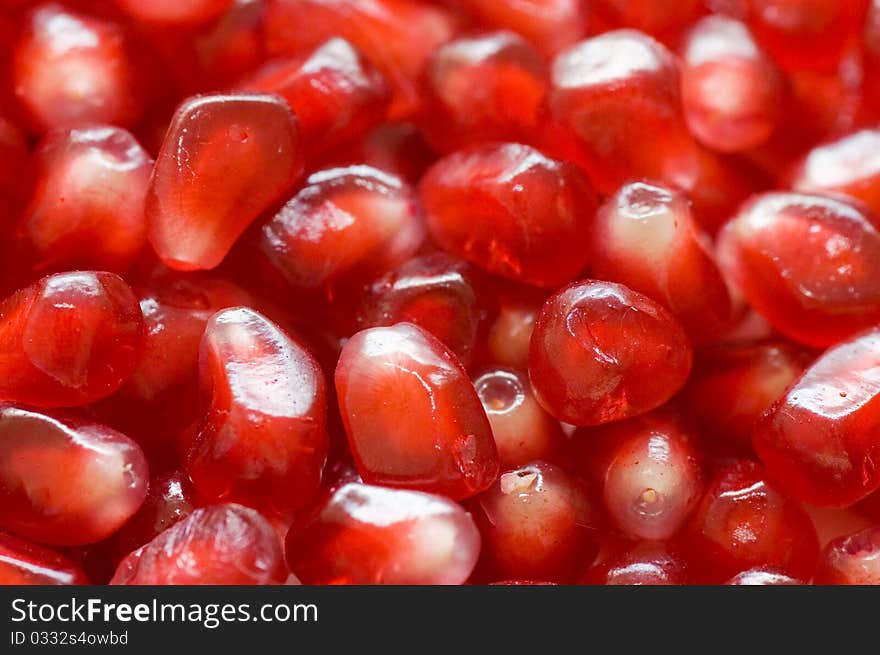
<point x="852" y="560"/>
<point x="173" y="11"/>
<point x="733" y="95"/>
<point x="650" y="472"/>
<point x="412" y="416"/>
<point x="336" y="94"/>
<point x="440" y="293"/>
<point x="69" y="339"/>
<point x="849" y="165"/>
<point x="511" y="331"/>
<point x="65" y="480"/>
<point x="398" y="36"/>
<point x="344" y="225"/>
<point x="660" y="18"/>
<point x="763" y="577"/>
<point x="647" y="239"/>
<point x="217" y="545"/>
<point x="370" y="535"/>
<point x="85" y="201"/>
<point x="69" y="69"/>
<point x="263" y="440"/>
<point x="809" y="264"/>
<point x="806" y="34"/>
<point x="550" y="25"/>
<point x="744" y="521"/>
<point x="871" y="52"/>
<point x="13" y="155"/>
<point x="512" y="211"/>
<point x="821" y="440"/>
<point x="523" y="431"/>
<point x="734" y="384"/>
<point x="225" y="159"/>
<point x="24" y="563"/>
<point x="644" y="563"/>
<point x="537" y="523"/>
<point x="233" y="46"/>
<point x="619" y="93"/>
<point x="601" y="352"/>
<point x="484" y="88"/>
<point x="171" y="498"/>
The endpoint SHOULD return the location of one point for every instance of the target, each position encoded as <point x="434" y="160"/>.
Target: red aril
<point x="483" y="88"/>
<point x="849" y="166"/>
<point x="646" y="238"/>
<point x="522" y="430"/>
<point x="537" y="523"/>
<point x="821" y="440"/>
<point x="84" y="202"/>
<point x="601" y="352"/>
<point x="396" y="148"/>
<point x="809" y="264"/>
<point x="336" y="94"/>
<point x="217" y="545"/>
<point x="225" y="159"/>
<point x="851" y="560"/>
<point x="663" y="19"/>
<point x="644" y="563"/>
<point x="70" y="70"/>
<point x="398" y="36"/>
<point x="24" y="563"/>
<point x="619" y="93"/>
<point x="346" y="225"/>
<point x="174" y="12"/>
<point x="412" y="416"/>
<point x="511" y="331"/>
<point x="733" y="95"/>
<point x="744" y="521"/>
<point x="763" y="576"/>
<point x="549" y="25"/>
<point x="366" y="535"/>
<point x="233" y="46"/>
<point x="68" y="339"/>
<point x="263" y="438"/>
<point x="511" y="211"/>
<point x="66" y="480"/>
<point x="440" y="293"/>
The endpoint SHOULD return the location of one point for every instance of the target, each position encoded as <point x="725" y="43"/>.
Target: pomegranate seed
<point x="663" y="19"/>
<point x="733" y="95"/>
<point x="852" y="560"/>
<point x="69" y="339"/>
<point x="171" y="498"/>
<point x="439" y="293"/>
<point x="71" y="70"/>
<point x="335" y="93"/>
<point x="762" y="577"/>
<point x="601" y="352"/>
<point x="398" y="36"/>
<point x="734" y="384"/>
<point x="85" y="206"/>
<point x="173" y="11"/>
<point x="263" y="440"/>
<point x="482" y="89"/>
<point x="233" y="46"/>
<point x="871" y="52"/>
<point x="743" y="521"/>
<point x="806" y="34"/>
<point x="217" y="545"/>
<point x="104" y="481"/>
<point x="13" y="154"/>
<point x="645" y="563"/>
<point x="807" y="263"/>
<point x="537" y="523"/>
<point x="396" y="148"/>
<point x="511" y="331"/>
<point x="648" y="469"/>
<point x="225" y="159"/>
<point x="370" y="535"/>
<point x="412" y="416"/>
<point x="523" y="431"/>
<point x="550" y="25"/>
<point x="619" y="92"/>
<point x="647" y="239"/>
<point x="849" y="166"/>
<point x="512" y="211"/>
<point x="345" y="224"/>
<point x="821" y="441"/>
<point x="24" y="563"/>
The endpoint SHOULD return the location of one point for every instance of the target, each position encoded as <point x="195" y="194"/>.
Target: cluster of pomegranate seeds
<point x="453" y="292"/>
